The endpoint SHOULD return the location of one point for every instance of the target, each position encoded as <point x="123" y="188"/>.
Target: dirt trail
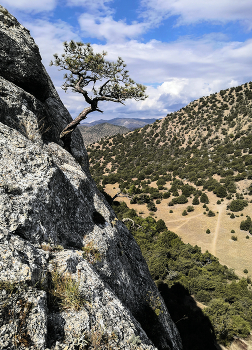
<point x="217" y="228"/>
<point x="185" y="220"/>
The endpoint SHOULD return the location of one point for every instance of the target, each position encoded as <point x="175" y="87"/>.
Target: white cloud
<point x="175" y="72"/>
<point x="109" y="29"/>
<point x="30" y="5"/>
<point x="179" y="72"/>
<point x="191" y="11"/>
<point x="50" y="36"/>
<point x="92" y="6"/>
<point x="156" y="62"/>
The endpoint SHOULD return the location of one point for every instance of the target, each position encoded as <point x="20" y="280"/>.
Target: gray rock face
<point x="50" y="209"/>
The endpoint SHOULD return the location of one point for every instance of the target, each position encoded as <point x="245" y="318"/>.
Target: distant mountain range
<point x="130" y="123"/>
<point x="96" y="132"/>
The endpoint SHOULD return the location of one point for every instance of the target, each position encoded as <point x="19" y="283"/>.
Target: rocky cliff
<point x="71" y="274"/>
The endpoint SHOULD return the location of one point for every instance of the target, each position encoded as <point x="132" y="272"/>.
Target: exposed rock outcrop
<point x="50" y="209"/>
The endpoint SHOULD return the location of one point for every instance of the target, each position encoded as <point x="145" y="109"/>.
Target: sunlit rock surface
<point x="50" y="209"/>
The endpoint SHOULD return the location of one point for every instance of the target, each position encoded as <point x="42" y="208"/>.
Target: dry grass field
<point x="192" y="228"/>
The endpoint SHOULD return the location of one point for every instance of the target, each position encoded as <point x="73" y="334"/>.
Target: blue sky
<point x="180" y="49"/>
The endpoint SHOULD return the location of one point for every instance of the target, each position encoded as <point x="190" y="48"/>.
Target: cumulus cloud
<point x="30" y="6"/>
<point x="192" y="11"/>
<point x="175" y="72"/>
<point x="107" y="28"/>
<point x="156" y="62"/>
<point x="49" y="36"/>
<point x="179" y="72"/>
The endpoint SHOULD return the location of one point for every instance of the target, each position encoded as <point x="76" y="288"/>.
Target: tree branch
<point x="71" y="126"/>
<point x="86" y="67"/>
<point x="83" y="92"/>
<point x="107" y="98"/>
<point x="101" y="88"/>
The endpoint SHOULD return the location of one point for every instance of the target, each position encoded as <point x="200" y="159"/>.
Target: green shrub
<point x="234" y="238"/>
<point x="237" y="205"/>
<point x="204" y="198"/>
<point x="195" y="200"/>
<point x="226" y="323"/>
<point x="160" y="225"/>
<point x="221" y="191"/>
<point x="151" y="206"/>
<point x="211" y="213"/>
<point x="208" y="231"/>
<point x="246" y="224"/>
<point x="184" y="213"/>
<point x="245" y="271"/>
<point x="161" y="182"/>
<point x="190" y="208"/>
<point x="180" y="200"/>
<point x="203" y="296"/>
<point x="166" y="195"/>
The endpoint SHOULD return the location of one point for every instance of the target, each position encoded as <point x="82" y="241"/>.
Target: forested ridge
<point x="206" y="145"/>
<point x="210" y="136"/>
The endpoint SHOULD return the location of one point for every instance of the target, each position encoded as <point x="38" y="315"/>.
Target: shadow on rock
<point x="195" y="329"/>
<point x="55" y="329"/>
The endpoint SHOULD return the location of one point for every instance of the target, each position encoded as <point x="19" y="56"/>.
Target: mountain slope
<point x="97" y="132"/>
<point x="206" y="145"/>
<point x="188" y="143"/>
<point x="130" y="123"/>
<point x="193" y="170"/>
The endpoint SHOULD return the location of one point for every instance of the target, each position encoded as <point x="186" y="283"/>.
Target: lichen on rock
<point x="49" y="200"/>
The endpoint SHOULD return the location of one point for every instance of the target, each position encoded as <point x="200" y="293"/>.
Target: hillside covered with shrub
<point x="203" y="150"/>
<point x="210" y="136"/>
<point x="187" y="279"/>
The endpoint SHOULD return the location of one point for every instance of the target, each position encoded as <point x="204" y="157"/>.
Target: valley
<point x="192" y="228"/>
<point x="185" y="193"/>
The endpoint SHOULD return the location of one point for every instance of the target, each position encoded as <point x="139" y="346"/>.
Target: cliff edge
<point x="71" y="274"/>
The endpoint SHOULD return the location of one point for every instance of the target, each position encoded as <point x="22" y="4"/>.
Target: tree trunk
<point x="71" y="126"/>
<point x="65" y="134"/>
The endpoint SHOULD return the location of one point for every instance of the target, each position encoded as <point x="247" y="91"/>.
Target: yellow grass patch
<point x="192" y="228"/>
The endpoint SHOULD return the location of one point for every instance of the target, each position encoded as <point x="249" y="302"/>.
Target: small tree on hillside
<point x="106" y="81"/>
